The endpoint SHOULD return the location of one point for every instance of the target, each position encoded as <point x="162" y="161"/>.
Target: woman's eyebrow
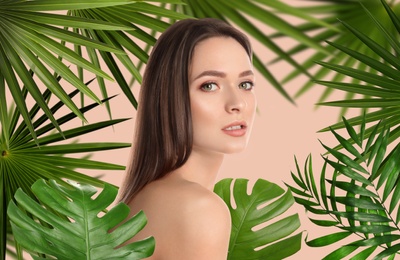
<point x="246" y="73"/>
<point x="213" y="73"/>
<point x="221" y="74"/>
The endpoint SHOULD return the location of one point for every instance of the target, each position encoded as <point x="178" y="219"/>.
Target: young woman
<point x="197" y="104"/>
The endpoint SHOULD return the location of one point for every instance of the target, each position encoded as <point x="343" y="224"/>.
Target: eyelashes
<point x="247" y="85"/>
<point x="213" y="86"/>
<point x="209" y="86"/>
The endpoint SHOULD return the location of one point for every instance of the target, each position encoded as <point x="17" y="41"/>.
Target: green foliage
<point x="23" y="160"/>
<point x="136" y="15"/>
<point x="361" y="197"/>
<point x="264" y="12"/>
<point x="34" y="36"/>
<point x="378" y="80"/>
<point x="254" y="235"/>
<point x="70" y="227"/>
<point x="337" y="12"/>
<point x="24" y="36"/>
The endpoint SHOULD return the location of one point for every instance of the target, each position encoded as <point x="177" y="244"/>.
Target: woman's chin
<point x="238" y="148"/>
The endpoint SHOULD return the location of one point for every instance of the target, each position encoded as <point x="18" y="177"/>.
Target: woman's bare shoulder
<point x="183" y="195"/>
<point x="184" y="201"/>
<point x="187" y="220"/>
<point x="196" y="202"/>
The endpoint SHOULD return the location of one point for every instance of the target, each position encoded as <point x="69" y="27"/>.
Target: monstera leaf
<point x="361" y="198"/>
<point x="70" y="226"/>
<point x="266" y="202"/>
<point x="52" y="155"/>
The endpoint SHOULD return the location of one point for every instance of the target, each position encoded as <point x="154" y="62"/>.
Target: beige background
<point x="281" y="131"/>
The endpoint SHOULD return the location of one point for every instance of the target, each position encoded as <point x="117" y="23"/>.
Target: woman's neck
<point x="202" y="167"/>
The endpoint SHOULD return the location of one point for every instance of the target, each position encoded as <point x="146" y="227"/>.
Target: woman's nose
<point x="234" y="101"/>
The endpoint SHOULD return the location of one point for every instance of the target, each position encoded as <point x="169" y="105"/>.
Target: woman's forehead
<point x="218" y="55"/>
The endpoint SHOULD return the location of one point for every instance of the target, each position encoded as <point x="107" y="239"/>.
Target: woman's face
<point x="223" y="102"/>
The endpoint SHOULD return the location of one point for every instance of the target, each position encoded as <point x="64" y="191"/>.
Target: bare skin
<point x="187" y="220"/>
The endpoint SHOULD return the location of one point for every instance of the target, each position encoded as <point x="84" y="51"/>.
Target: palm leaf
<point x="381" y="90"/>
<point x="28" y="31"/>
<point x="264" y="12"/>
<point x="339" y="13"/>
<point x="33" y="39"/>
<point x="136" y="15"/>
<point x="266" y="202"/>
<point x="23" y="159"/>
<point x="83" y="235"/>
<point x="364" y="196"/>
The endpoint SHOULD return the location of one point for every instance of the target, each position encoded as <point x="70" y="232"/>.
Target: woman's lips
<point x="236" y="129"/>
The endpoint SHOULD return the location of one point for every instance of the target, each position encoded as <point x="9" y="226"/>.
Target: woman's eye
<point x="209" y="87"/>
<point x="246" y="85"/>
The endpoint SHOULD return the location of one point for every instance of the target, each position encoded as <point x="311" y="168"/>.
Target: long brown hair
<point x="164" y="134"/>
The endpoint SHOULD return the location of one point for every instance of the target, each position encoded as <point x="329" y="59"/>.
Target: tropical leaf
<point x="27" y="35"/>
<point x="379" y="84"/>
<point x="266" y="202"/>
<point x="34" y="39"/>
<point x="23" y="159"/>
<point x="139" y="16"/>
<point x="374" y="24"/>
<point x="73" y="229"/>
<point x="267" y="13"/>
<point x="361" y="198"/>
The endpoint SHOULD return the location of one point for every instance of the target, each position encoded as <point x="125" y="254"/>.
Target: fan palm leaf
<point x="23" y="159"/>
<point x="34" y="35"/>
<point x="140" y="16"/>
<point x="334" y="12"/>
<point x="87" y="236"/>
<point x="361" y="197"/>
<point x="266" y="202"/>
